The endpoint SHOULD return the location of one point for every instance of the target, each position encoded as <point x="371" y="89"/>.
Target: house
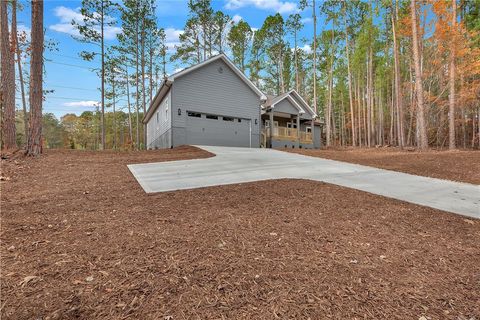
<point x="214" y="103"/>
<point x="292" y="120"/>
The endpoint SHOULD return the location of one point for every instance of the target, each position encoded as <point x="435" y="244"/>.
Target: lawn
<point x="80" y="239"/>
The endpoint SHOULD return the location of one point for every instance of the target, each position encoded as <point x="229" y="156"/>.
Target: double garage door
<point x="216" y="130"/>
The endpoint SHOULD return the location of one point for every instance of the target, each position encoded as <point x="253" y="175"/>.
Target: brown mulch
<point x="459" y="165"/>
<point x="81" y="240"/>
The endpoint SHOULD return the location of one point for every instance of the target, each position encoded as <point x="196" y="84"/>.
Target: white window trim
<point x="291" y="125"/>
<point x="267" y="124"/>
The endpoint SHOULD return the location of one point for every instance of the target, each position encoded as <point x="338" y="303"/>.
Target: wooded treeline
<point x="388" y="72"/>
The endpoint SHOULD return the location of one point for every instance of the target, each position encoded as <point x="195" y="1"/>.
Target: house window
<point x="291" y="125"/>
<point x="227" y="119"/>
<point x="267" y="124"/>
<point x="308" y="129"/>
<point x="194" y="114"/>
<point x="210" y="116"/>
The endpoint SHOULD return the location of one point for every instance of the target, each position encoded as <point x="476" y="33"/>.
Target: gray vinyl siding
<point x="285" y="106"/>
<point x="159" y="133"/>
<point x="208" y="91"/>
<point x="306" y="115"/>
<point x="317" y="137"/>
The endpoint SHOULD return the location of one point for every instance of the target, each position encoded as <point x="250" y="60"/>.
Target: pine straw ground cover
<point x="80" y="239"/>
<point x="458" y="165"/>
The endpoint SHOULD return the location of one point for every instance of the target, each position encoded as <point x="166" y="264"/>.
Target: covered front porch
<point x="288" y="131"/>
<point x="289" y="122"/>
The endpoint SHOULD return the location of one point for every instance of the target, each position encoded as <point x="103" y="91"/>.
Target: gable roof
<point x="303" y="103"/>
<point x="296" y="100"/>
<point x="167" y="82"/>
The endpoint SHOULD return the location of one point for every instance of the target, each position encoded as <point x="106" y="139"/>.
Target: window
<point x="227" y="119"/>
<point x="194" y="114"/>
<point x="267" y="124"/>
<point x="210" y="116"/>
<point x="308" y="129"/>
<point x="291" y="125"/>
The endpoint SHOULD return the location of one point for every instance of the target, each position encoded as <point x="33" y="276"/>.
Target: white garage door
<point x="215" y="130"/>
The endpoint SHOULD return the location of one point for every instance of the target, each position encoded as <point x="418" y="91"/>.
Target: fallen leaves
<point x="29" y="279"/>
<point x="163" y="256"/>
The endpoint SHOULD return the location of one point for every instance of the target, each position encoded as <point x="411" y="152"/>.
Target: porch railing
<point x="290" y="134"/>
<point x="305" y="136"/>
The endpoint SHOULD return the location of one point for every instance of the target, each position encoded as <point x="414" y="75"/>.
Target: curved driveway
<point x="237" y="165"/>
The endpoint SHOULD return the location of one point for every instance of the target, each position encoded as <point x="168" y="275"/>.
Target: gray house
<point x="289" y="122"/>
<point x="214" y="103"/>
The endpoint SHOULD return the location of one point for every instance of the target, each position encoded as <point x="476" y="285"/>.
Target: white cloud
<point x="306" y="48"/>
<point x="172" y="34"/>
<point x="67" y="15"/>
<point x="306" y="20"/>
<point x="237" y="18"/>
<point x="272" y="5"/>
<point x="86" y="103"/>
<point x="172" y="37"/>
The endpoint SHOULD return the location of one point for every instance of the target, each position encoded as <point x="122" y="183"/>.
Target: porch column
<point x="271" y="128"/>
<point x="298" y="130"/>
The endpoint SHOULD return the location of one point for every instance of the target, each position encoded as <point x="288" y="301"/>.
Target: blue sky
<point x="75" y="85"/>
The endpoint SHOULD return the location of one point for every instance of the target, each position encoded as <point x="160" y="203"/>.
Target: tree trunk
<point x="19" y="67"/>
<point x="359" y="110"/>
<point x="130" y="131"/>
<point x="352" y="116"/>
<point x="296" y="61"/>
<point x="102" y="45"/>
<point x="137" y="101"/>
<point x="329" y="119"/>
<point x="8" y="83"/>
<point x="451" y="95"/>
<point x="393" y="115"/>
<point x="142" y="44"/>
<point x="369" y="105"/>
<point x="422" y="128"/>
<point x="34" y="140"/>
<point x="114" y="140"/>
<point x="398" y="85"/>
<point x="314" y="58"/>
<point x="151" y="70"/>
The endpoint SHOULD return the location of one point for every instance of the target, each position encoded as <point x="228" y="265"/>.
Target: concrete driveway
<point x="237" y="165"/>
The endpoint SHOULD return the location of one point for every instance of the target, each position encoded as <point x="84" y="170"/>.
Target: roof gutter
<point x="164" y="88"/>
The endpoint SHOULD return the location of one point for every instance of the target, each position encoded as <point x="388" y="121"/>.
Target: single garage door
<point x="216" y="130"/>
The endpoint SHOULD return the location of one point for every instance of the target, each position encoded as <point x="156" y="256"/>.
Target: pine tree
<point x="92" y="30"/>
<point x="294" y="25"/>
<point x="8" y="82"/>
<point x="239" y="39"/>
<point x="34" y="139"/>
<point x="422" y="128"/>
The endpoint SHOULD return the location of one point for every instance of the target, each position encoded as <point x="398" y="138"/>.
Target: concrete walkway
<point x="237" y="165"/>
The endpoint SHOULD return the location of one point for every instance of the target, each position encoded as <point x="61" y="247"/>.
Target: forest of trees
<point x="380" y="72"/>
